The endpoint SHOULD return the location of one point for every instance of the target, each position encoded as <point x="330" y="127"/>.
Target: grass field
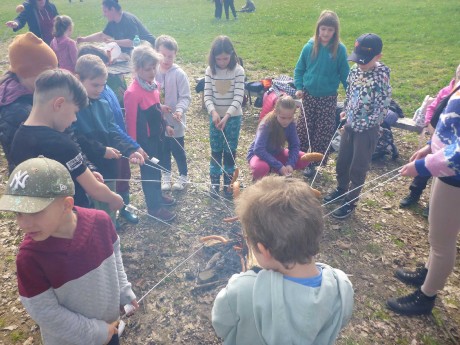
<point x="421" y="45"/>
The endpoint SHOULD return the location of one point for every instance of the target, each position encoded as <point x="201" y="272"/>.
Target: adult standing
<point x="440" y="159"/>
<point x="121" y="28"/>
<point x="38" y="15"/>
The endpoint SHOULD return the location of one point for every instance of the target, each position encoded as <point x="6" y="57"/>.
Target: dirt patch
<point x="378" y="238"/>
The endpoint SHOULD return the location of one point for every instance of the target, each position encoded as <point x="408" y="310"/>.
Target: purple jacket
<point x="262" y="148"/>
<point x="66" y="52"/>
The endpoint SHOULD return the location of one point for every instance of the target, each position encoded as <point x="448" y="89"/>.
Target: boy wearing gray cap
<point x="70" y="272"/>
<point x="367" y="102"/>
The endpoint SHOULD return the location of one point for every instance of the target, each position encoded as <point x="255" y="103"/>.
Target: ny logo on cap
<point x="19" y="180"/>
<point x="361" y="61"/>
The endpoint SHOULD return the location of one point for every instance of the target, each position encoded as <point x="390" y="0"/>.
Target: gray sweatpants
<point x="353" y="161"/>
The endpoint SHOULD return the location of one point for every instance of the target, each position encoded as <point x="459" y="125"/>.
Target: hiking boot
<point x="409" y="200"/>
<point x="336" y="196"/>
<point x="309" y="171"/>
<point x="162" y="214"/>
<point x="414" y="278"/>
<point x="167" y="200"/>
<point x="416" y="303"/>
<point x="215" y="186"/>
<point x="426" y="212"/>
<point x="166" y="183"/>
<point x="344" y="211"/>
<point x="180" y="183"/>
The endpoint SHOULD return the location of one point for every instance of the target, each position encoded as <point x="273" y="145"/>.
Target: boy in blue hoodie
<point x="292" y="300"/>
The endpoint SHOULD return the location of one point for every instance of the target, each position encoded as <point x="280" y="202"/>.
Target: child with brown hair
<point x="292" y="300"/>
<point x="95" y="128"/>
<point x="321" y="67"/>
<point x="64" y="47"/>
<point x="223" y="97"/>
<point x="146" y="125"/>
<point x="267" y="151"/>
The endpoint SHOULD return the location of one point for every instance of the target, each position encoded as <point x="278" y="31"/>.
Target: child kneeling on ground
<point x="70" y="272"/>
<point x="293" y="300"/>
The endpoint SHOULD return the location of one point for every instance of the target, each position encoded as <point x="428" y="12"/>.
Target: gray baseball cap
<point x="36" y="183"/>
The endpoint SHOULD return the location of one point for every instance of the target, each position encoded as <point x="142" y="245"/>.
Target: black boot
<point x="414" y="278"/>
<point x="228" y="191"/>
<point x="215" y="186"/>
<point x="416" y="303"/>
<point x="130" y="217"/>
<point x="410" y="199"/>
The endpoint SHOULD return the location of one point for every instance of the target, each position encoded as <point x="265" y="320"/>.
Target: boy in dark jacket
<point x="95" y="128"/>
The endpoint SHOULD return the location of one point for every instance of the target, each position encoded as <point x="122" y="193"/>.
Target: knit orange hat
<point x="29" y="56"/>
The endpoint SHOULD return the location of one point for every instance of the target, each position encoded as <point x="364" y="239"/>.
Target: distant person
<point x="71" y="278"/>
<point x="293" y="299"/>
<point x="176" y="89"/>
<point x="267" y="151"/>
<point x="218" y="9"/>
<point x="38" y="15"/>
<point x="63" y="45"/>
<point x="29" y="56"/>
<point x="248" y="7"/>
<point x="121" y="28"/>
<point x="321" y="67"/>
<point x="230" y="4"/>
<point x="367" y="102"/>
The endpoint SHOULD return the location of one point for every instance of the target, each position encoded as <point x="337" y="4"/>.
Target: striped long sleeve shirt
<point x="224" y="91"/>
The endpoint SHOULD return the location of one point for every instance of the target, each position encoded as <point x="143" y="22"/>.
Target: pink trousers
<point x="260" y="168"/>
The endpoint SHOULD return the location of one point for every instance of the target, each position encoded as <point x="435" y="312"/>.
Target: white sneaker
<point x="180" y="183"/>
<point x="166" y="184"/>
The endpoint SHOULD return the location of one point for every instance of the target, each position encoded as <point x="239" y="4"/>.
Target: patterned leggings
<point x="219" y="146"/>
<point x="320" y="116"/>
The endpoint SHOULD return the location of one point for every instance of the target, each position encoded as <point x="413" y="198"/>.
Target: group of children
<point x="282" y="220"/>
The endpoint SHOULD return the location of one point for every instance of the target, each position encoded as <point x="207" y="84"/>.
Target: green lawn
<point x="421" y="44"/>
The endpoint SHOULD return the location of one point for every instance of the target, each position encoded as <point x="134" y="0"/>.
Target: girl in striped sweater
<point x="223" y="97"/>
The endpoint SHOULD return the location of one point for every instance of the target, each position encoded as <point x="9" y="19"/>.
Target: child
<point x="176" y="87"/>
<point x="70" y="272"/>
<point x="367" y="102"/>
<point x="29" y="56"/>
<point x="267" y="150"/>
<point x="64" y="47"/>
<point x="95" y="128"/>
<point x="146" y="125"/>
<point x="441" y="159"/>
<point x="58" y="96"/>
<point x="39" y="16"/>
<point x="230" y="4"/>
<point x="223" y="97"/>
<point x="322" y="65"/>
<point x="292" y="300"/>
<point x="123" y="166"/>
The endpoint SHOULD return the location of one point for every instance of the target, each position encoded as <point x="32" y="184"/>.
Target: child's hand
<point x="143" y="153"/>
<point x="165" y="109"/>
<point x="134" y="304"/>
<point x="177" y="116"/>
<point x="420" y="154"/>
<point x="116" y="202"/>
<point x="136" y="158"/>
<point x="342" y="116"/>
<point x="284" y="171"/>
<point x="223" y="122"/>
<point x="290" y="169"/>
<point x="170" y="131"/>
<point x="215" y="118"/>
<point x="112" y="329"/>
<point x="111" y="153"/>
<point x="299" y="94"/>
<point x="409" y="170"/>
<point x="98" y="176"/>
<point x="11" y="24"/>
